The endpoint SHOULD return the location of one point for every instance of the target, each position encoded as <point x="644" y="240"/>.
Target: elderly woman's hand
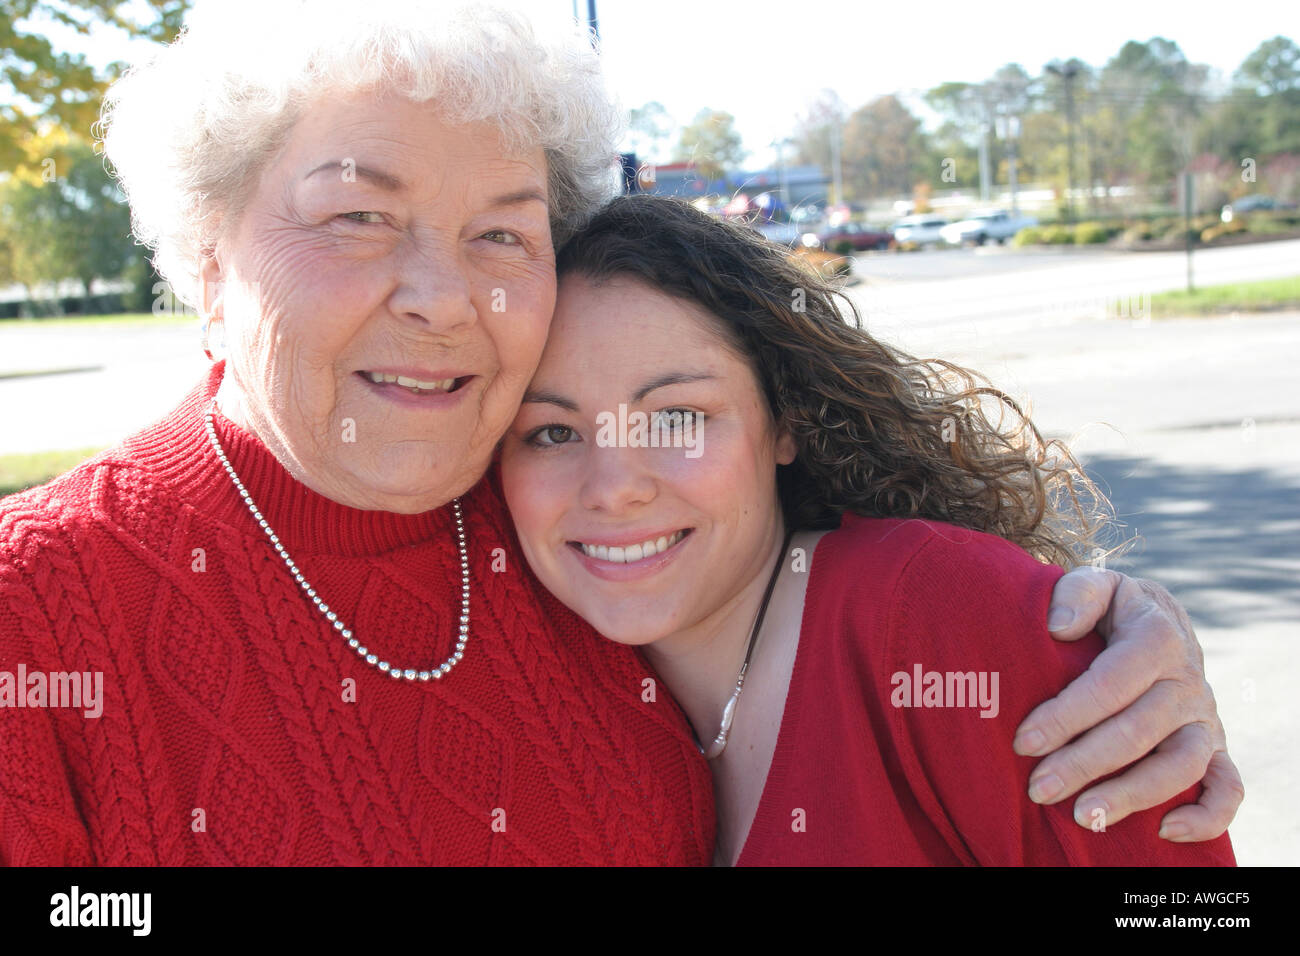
<point x="1146" y="691"/>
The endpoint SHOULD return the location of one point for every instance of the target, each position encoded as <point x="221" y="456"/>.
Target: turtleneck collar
<point x="178" y="450"/>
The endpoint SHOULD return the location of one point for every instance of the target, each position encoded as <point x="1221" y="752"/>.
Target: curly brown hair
<point x="879" y="433"/>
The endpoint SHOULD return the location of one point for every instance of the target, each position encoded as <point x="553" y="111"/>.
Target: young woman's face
<point x="586" y="492"/>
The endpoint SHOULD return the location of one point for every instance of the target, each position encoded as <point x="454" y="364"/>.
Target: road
<point x="1191" y="425"/>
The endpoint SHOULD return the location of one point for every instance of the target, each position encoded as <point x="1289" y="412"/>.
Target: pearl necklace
<point x="362" y="651"/>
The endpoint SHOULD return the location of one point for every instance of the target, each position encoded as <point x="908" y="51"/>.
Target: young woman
<point x="821" y="545"/>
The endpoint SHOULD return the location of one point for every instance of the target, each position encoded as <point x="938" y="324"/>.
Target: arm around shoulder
<point x="971" y="656"/>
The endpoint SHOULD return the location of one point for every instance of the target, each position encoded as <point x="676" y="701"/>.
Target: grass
<point x="1263" y="296"/>
<point x="35" y="468"/>
<point x="125" y="319"/>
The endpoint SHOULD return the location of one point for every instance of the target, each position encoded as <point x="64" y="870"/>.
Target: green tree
<point x="73" y="226"/>
<point x="41" y="87"/>
<point x="1266" y="109"/>
<point x="712" y="143"/>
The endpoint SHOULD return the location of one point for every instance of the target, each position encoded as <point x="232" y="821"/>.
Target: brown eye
<point x="551" y="435"/>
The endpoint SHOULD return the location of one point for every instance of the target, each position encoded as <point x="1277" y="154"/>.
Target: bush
<point x="1057" y="235"/>
<point x="842" y="247"/>
<point x="1164" y="228"/>
<point x="1029" y="236"/>
<point x="1141" y="232"/>
<point x="1270" y="226"/>
<point x="1089" y="233"/>
<point x="1223" y="229"/>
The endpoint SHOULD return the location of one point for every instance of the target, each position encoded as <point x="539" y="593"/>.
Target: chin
<point x="630" y="632"/>
<point x="413" y="490"/>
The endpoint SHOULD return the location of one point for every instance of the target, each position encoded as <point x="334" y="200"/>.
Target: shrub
<point x="1029" y="236"/>
<point x="1088" y="233"/>
<point x="1223" y="229"/>
<point x="1057" y="235"/>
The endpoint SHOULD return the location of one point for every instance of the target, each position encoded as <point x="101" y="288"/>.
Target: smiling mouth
<point x="413" y="385"/>
<point x="630" y="554"/>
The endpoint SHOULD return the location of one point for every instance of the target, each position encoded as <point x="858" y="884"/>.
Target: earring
<point x="204" y="337"/>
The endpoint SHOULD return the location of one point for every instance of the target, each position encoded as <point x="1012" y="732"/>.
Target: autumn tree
<point x="712" y="143"/>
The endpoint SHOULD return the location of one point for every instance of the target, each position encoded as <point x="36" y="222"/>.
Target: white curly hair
<point x="188" y="132"/>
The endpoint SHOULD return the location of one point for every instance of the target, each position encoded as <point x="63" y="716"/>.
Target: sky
<point x="764" y="61"/>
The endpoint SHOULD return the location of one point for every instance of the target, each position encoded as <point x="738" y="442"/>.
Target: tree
<point x="1266" y="112"/>
<point x="1272" y="69"/>
<point x="41" y="88"/>
<point x="884" y="150"/>
<point x="814" y="129"/>
<point x="75" y="225"/>
<point x="649" y="126"/>
<point x="1157" y="97"/>
<point x="712" y="144"/>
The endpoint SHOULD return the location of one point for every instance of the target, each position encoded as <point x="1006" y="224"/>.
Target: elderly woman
<point x="304" y="621"/>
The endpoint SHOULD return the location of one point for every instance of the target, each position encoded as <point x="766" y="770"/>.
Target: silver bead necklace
<point x="344" y="631"/>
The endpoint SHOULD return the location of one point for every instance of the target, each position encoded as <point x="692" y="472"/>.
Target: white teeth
<point x="382" y="378"/>
<point x="632" y="553"/>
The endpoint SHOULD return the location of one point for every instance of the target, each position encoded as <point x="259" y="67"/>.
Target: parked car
<point x="996" y="224"/>
<point x="1252" y="203"/>
<point x="924" y="229"/>
<point x="857" y="235"/>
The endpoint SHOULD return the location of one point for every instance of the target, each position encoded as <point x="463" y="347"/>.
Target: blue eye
<point x="564" y="433"/>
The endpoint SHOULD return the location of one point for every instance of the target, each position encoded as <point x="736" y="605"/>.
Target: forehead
<point x="388" y="128"/>
<point x="623" y="322"/>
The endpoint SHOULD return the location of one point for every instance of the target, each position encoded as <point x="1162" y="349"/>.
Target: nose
<point x="433" y="289"/>
<point x="617" y="480"/>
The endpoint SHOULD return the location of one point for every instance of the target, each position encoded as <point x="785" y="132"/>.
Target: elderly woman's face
<point x="387" y="292"/>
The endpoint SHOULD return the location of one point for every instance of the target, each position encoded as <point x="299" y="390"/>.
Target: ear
<point x="211" y="282"/>
<point x="786" y="449"/>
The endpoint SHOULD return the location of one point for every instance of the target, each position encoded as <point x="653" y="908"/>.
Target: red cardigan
<point x="227" y="735"/>
<point x="865" y="773"/>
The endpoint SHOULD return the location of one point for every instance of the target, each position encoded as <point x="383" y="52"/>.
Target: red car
<point x="860" y="237"/>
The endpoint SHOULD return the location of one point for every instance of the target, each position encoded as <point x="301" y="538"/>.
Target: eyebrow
<point x="384" y="181"/>
<point x="529" y="194"/>
<point x="391" y="183"/>
<point x="544" y="397"/>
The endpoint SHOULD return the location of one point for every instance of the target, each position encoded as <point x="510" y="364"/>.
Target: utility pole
<point x="984" y="161"/>
<point x="1009" y="128"/>
<point x="837" y="171"/>
<point x="590" y="20"/>
<point x="1067" y="74"/>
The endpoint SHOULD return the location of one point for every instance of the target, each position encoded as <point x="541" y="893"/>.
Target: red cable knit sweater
<point x="237" y="728"/>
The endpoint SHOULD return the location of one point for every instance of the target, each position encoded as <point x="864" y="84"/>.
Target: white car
<point x="998" y="225"/>
<point x="923" y="230"/>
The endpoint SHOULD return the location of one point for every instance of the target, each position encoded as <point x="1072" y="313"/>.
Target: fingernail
<point x="1173" y="831"/>
<point x="1045" y="788"/>
<point x="1029" y="743"/>
<point x="1085" y="814"/>
<point x="1059" y="618"/>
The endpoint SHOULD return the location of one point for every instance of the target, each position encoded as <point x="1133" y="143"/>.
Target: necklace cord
<point x="729" y="712"/>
